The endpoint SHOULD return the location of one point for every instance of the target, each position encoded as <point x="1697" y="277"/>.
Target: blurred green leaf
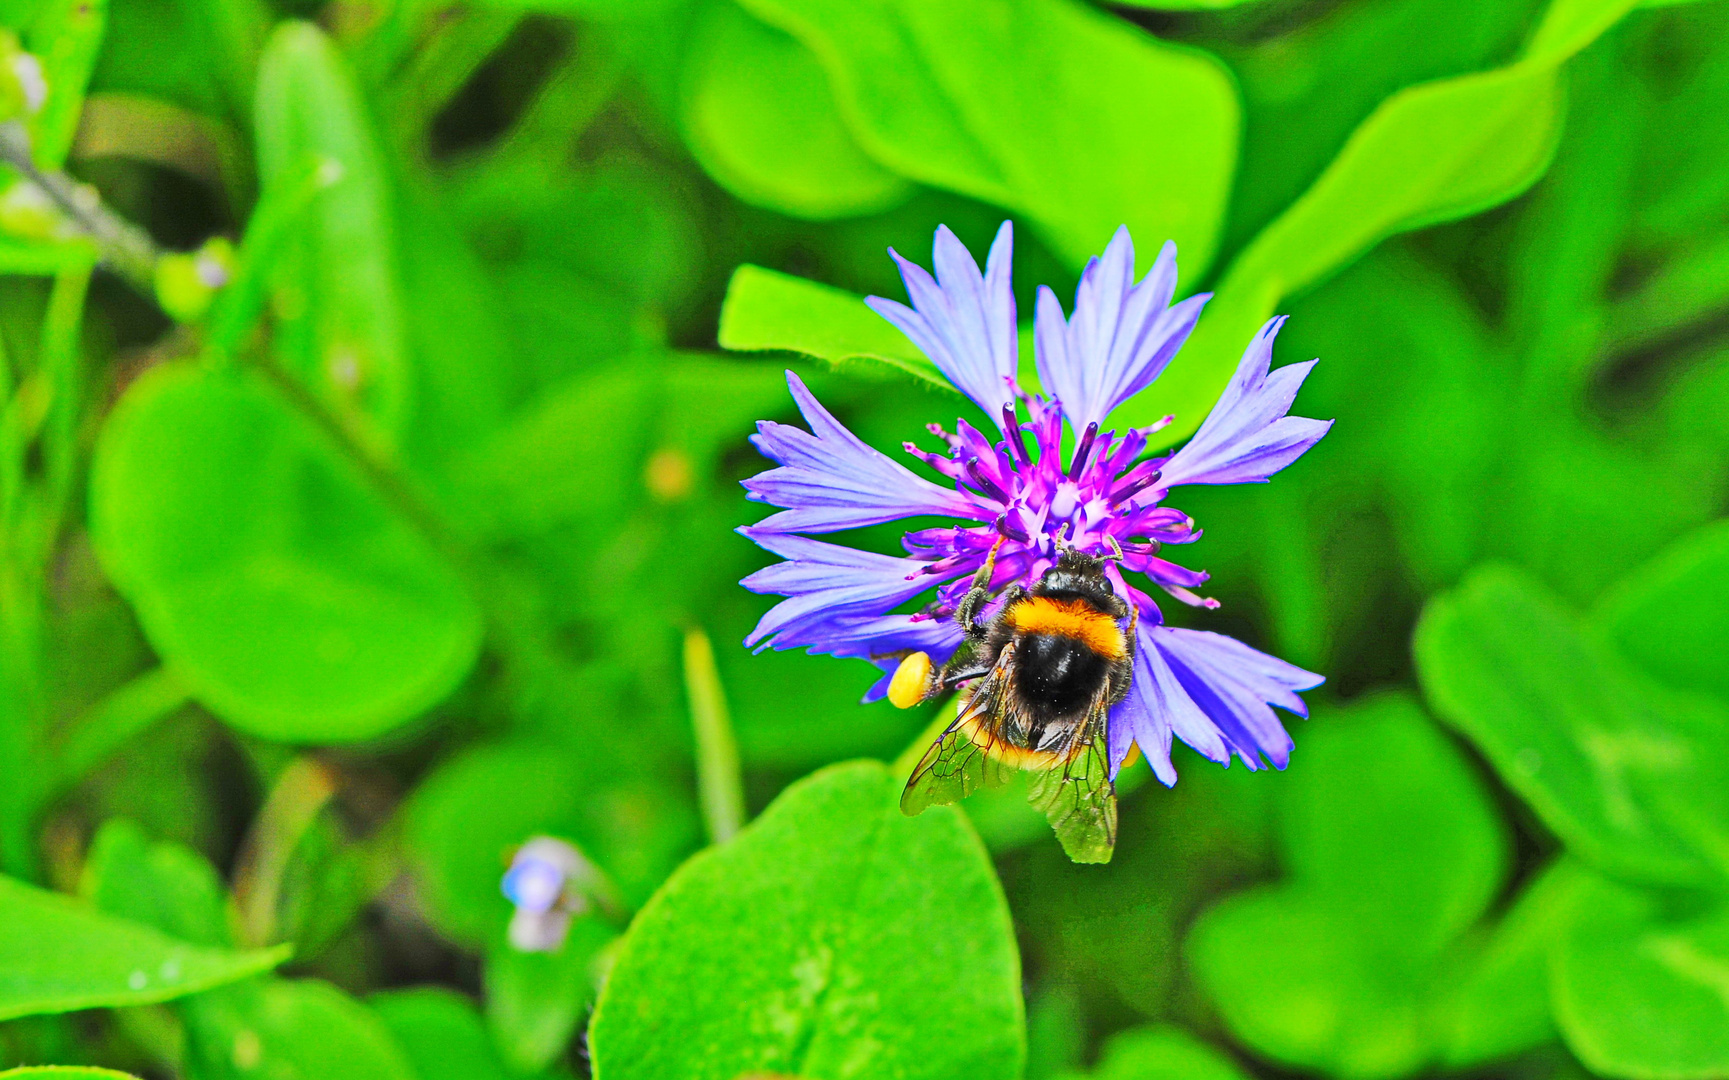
<point x="757" y="112"/>
<point x="289" y="1030"/>
<point x="441" y="1032"/>
<point x="257" y="556"/>
<point x="1625" y="775"/>
<point x="833" y="935"/>
<point x="1640" y="992"/>
<point x="66" y="35"/>
<point x="766" y="310"/>
<point x="536" y="1000"/>
<point x="1161" y="1053"/>
<point x="1391" y="850"/>
<point x="165" y="885"/>
<point x="1672" y="617"/>
<point x="1497" y="1001"/>
<point x="337" y="297"/>
<point x="59" y="955"/>
<point x="1430" y="153"/>
<point x="1046" y="107"/>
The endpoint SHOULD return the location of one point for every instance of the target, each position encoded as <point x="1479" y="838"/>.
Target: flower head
<point x="1014" y="489"/>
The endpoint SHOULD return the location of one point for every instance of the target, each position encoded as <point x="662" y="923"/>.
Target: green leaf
<point x="833" y="936"/>
<point x="766" y="310"/>
<point x="289" y="596"/>
<point x="337" y="296"/>
<point x="1386" y="822"/>
<point x="1672" y="616"/>
<point x="1642" y="993"/>
<point x="535" y="1000"/>
<point x="59" y="955"/>
<point x="1430" y="153"/>
<point x="289" y="1030"/>
<point x="441" y="1032"/>
<point x="1497" y="1003"/>
<point x="1391" y="850"/>
<point x="1048" y="108"/>
<point x="67" y="36"/>
<point x="1624" y="774"/>
<point x="777" y="141"/>
<point x="1323" y="998"/>
<point x="168" y="886"/>
<point x="1162" y="1053"/>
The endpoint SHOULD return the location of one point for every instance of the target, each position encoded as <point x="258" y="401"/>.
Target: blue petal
<point x="823" y="584"/>
<point x="830" y="480"/>
<point x="1247" y="437"/>
<point x="1211" y="691"/>
<point x="1121" y="336"/>
<point x="963" y="321"/>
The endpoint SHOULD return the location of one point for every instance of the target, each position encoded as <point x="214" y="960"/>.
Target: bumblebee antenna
<point x="1062" y="538"/>
<point x="1116" y="554"/>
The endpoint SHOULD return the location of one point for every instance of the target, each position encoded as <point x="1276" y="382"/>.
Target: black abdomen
<point x="1058" y="674"/>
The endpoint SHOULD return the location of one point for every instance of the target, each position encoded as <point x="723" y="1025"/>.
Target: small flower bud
<point x="186" y="282"/>
<point x="23" y="88"/>
<point x="550" y="882"/>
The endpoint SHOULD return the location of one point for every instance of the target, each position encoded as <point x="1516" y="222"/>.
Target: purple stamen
<point x="1134" y="487"/>
<point x="984" y="483"/>
<point x="1083" y="450"/>
<point x="1012" y="425"/>
<point x="1012" y="528"/>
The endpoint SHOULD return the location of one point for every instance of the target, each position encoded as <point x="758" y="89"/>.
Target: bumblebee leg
<point x="967" y="611"/>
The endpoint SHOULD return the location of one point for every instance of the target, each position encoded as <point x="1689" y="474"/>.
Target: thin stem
<point x="126" y="249"/>
<point x="718" y="778"/>
<point x="106" y="726"/>
<point x="300" y="794"/>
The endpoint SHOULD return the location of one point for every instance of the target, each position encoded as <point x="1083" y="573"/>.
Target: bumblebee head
<point x="1076" y="573"/>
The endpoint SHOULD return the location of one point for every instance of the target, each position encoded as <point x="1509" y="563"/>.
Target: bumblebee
<point x="1037" y="681"/>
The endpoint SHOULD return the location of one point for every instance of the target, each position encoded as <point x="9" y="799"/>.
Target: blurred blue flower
<point x="1211" y="691"/>
<point x="549" y="882"/>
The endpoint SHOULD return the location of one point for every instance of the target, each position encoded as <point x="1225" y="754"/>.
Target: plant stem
<point x="126" y="249"/>
<point x="718" y="778"/>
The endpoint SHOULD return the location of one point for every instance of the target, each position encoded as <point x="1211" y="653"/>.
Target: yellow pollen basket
<point x="912" y="679"/>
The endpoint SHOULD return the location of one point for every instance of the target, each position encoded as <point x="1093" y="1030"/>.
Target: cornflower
<point x="1013" y="490"/>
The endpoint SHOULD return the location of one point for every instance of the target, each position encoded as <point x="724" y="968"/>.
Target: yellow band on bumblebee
<point x="911" y="682"/>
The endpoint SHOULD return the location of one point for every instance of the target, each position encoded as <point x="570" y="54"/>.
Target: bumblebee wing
<point x="1078" y="796"/>
<point x="965" y="757"/>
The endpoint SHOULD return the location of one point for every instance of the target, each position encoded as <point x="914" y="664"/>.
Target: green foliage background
<point x="376" y="381"/>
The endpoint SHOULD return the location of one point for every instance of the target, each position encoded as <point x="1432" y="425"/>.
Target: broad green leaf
<point x="66" y="35"/>
<point x="1497" y="1003"/>
<point x="337" y="296"/>
<point x="289" y="596"/>
<point x="1391" y="849"/>
<point x="758" y="115"/>
<point x="441" y="1032"/>
<point x="1642" y="993"/>
<point x="535" y="1000"/>
<point x="164" y="885"/>
<point x="1433" y="152"/>
<point x="766" y="310"/>
<point x="59" y="955"/>
<point x="1672" y="617"/>
<point x="1077" y="120"/>
<point x="1386" y="821"/>
<point x="1324" y="998"/>
<point x="1161" y="1053"/>
<point x="1626" y="775"/>
<point x="289" y="1030"/>
<point x="833" y="936"/>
